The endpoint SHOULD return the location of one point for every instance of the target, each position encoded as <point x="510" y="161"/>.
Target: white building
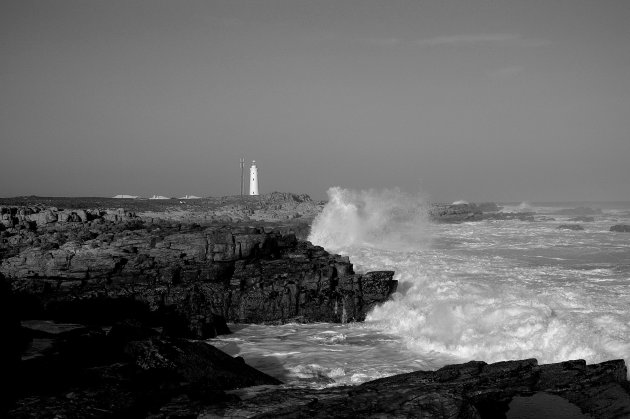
<point x="253" y="179"/>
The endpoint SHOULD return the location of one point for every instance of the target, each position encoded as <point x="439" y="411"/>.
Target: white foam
<point x="388" y="219"/>
<point x="280" y="354"/>
<point x="487" y="291"/>
<point x="454" y="305"/>
<point x="329" y="337"/>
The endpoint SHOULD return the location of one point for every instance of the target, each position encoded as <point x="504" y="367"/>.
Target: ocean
<point x="488" y="290"/>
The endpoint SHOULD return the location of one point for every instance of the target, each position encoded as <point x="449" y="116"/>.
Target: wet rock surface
<point x="135" y="370"/>
<point x="464" y="212"/>
<point x="134" y="289"/>
<point x="98" y="304"/>
<point x="192" y="278"/>
<point x="455" y="213"/>
<point x="471" y="390"/>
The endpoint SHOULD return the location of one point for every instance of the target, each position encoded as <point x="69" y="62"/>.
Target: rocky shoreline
<point x="205" y="275"/>
<point x="104" y="309"/>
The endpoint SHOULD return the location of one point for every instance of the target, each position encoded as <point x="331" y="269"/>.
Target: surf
<point x="465" y="292"/>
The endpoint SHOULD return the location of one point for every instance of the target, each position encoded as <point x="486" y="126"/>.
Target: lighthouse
<point x="253" y="179"/>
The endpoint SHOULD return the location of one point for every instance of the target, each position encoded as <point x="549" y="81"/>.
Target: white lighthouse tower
<point x="253" y="179"/>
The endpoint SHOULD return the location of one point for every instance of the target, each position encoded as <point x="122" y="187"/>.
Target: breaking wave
<point x="388" y="219"/>
<point x="458" y="302"/>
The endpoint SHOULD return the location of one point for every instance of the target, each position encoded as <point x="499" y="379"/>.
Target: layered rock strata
<point x="131" y="370"/>
<point x="198" y="276"/>
<point x="471" y="390"/>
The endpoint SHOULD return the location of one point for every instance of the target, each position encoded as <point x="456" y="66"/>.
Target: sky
<point x="481" y="100"/>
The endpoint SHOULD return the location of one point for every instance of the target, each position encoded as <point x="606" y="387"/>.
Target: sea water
<point x="485" y="290"/>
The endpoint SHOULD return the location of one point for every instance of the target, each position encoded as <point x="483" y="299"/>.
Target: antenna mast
<point x="242" y="175"/>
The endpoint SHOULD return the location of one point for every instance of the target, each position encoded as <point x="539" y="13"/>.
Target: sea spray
<point x="389" y="219"/>
<point x="466" y="291"/>
<point x="487" y="290"/>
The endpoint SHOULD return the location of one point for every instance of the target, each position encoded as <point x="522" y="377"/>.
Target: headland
<point x="106" y="302"/>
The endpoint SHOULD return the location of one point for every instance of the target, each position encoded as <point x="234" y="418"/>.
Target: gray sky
<point x="473" y="99"/>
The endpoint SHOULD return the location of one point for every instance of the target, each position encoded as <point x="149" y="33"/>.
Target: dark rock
<point x="202" y="276"/>
<point x="471" y="390"/>
<point x="179" y="324"/>
<point x="621" y="228"/>
<point x="128" y="373"/>
<point x="56" y="362"/>
<point x="196" y="363"/>
<point x="13" y="342"/>
<point x="284" y="197"/>
<point x="455" y="213"/>
<point x="175" y="378"/>
<point x="546" y="405"/>
<point x="47" y="328"/>
<point x="570" y="227"/>
<point x="92" y="309"/>
<point x="129" y="330"/>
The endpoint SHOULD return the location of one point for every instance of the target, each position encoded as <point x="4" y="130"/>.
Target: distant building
<point x="253" y="179"/>
<point x="126" y="196"/>
<point x="190" y="197"/>
<point x="159" y="197"/>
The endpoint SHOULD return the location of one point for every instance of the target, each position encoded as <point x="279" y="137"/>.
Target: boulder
<point x="63" y="216"/>
<point x="7" y="220"/>
<point x="44" y="217"/>
<point x="82" y="215"/>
